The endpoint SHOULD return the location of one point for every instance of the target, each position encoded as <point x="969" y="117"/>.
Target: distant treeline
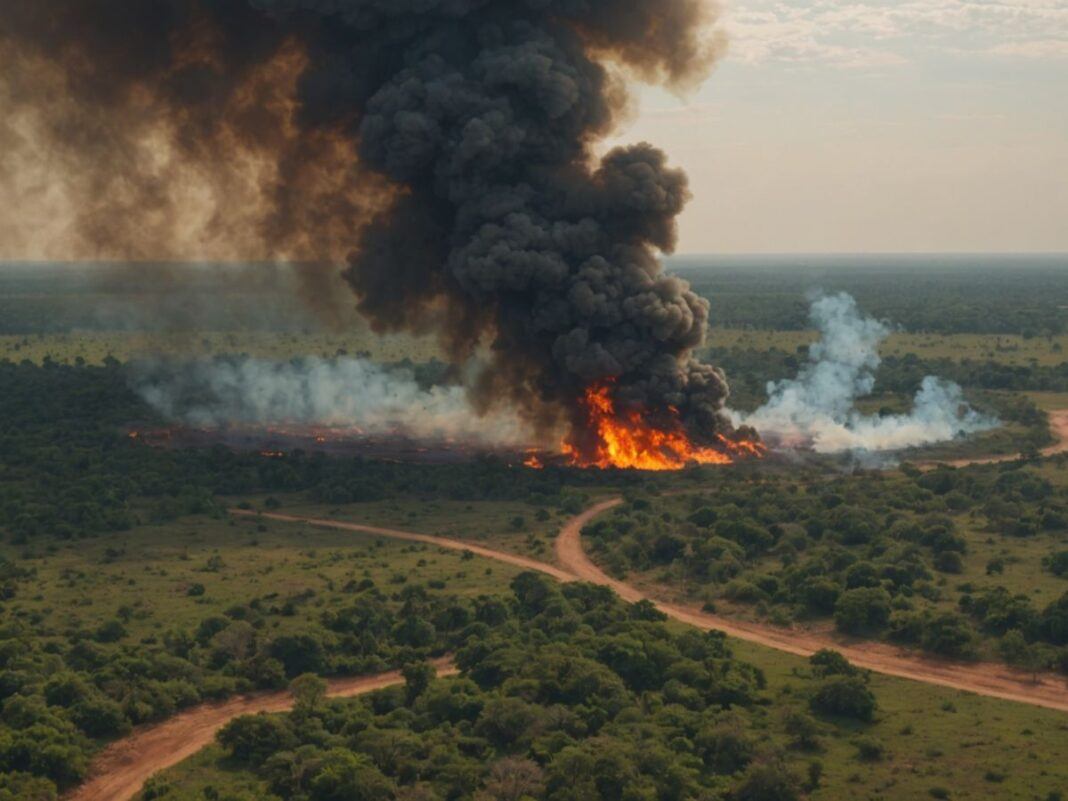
<point x="750" y="370"/>
<point x="1025" y="295"/>
<point x="947" y="295"/>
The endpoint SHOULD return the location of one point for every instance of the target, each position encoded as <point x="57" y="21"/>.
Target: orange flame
<point x="625" y="440"/>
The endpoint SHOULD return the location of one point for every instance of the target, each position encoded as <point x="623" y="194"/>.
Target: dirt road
<point x="1058" y="427"/>
<point x="989" y="679"/>
<point x="396" y="534"/>
<point x="1058" y="423"/>
<point x="121" y="770"/>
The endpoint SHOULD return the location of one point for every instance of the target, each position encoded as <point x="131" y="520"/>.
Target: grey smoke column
<point x="498" y="225"/>
<point x="817" y="409"/>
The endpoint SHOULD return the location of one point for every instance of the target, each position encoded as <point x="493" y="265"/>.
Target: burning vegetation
<point x="627" y="439"/>
<point x="448" y="146"/>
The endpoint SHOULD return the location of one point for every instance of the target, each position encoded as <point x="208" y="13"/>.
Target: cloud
<point x="1039" y="49"/>
<point x="879" y="34"/>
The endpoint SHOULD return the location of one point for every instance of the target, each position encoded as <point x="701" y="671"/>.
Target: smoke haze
<point x="818" y="408"/>
<point x="445" y="147"/>
<point x="344" y="393"/>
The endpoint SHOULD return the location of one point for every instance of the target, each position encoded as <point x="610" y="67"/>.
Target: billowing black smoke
<point x="472" y="203"/>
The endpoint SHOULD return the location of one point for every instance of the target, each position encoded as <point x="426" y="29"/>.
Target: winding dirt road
<point x="995" y="680"/>
<point x="121" y="770"/>
<point x="1058" y="423"/>
<point x="1058" y="427"/>
<point x="396" y="534"/>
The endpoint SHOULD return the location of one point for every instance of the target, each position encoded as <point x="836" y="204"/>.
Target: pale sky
<point x="872" y="126"/>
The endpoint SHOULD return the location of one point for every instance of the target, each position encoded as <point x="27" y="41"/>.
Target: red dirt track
<point x="121" y="770"/>
<point x="995" y="680"/>
<point x="990" y="679"/>
<point x="1058" y="425"/>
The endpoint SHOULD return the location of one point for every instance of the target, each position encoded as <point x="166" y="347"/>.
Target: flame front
<point x="624" y="440"/>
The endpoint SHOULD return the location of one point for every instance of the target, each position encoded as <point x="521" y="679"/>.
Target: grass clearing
<point x="934" y="737"/>
<point x="93" y="347"/>
<point x="175" y="575"/>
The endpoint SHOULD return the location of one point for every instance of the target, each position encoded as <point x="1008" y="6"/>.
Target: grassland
<point x="494" y="525"/>
<point x="1049" y="401"/>
<point x="94" y="346"/>
<point x="975" y="748"/>
<point x="150" y="576"/>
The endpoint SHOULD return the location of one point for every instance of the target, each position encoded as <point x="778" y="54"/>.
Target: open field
<point x="173" y="576"/>
<point x="977" y="748"/>
<point x="94" y="346"/>
<point x="1049" y="401"/>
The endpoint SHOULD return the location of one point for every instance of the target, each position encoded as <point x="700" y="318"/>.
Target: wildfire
<point x="625" y="440"/>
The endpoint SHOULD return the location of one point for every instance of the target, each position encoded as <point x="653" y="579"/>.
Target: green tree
<point x="512" y="779"/>
<point x="346" y="776"/>
<point x="827" y="662"/>
<point x="1018" y="652"/>
<point x="768" y="781"/>
<point x="254" y="738"/>
<point x="863" y="610"/>
<point x="417" y="678"/>
<point x="309" y="692"/>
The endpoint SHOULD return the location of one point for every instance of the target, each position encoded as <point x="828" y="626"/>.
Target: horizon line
<point x="771" y="254"/>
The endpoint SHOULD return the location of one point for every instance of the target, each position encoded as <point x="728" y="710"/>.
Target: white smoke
<point x="818" y="408"/>
<point x="344" y="393"/>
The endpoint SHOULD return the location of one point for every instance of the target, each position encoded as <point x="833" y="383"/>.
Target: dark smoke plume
<point x="448" y="144"/>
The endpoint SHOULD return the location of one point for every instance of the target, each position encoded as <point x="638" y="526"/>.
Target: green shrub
<point x="844" y="696"/>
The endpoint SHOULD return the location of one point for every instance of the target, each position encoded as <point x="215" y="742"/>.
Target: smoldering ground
<point x="444" y="146"/>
